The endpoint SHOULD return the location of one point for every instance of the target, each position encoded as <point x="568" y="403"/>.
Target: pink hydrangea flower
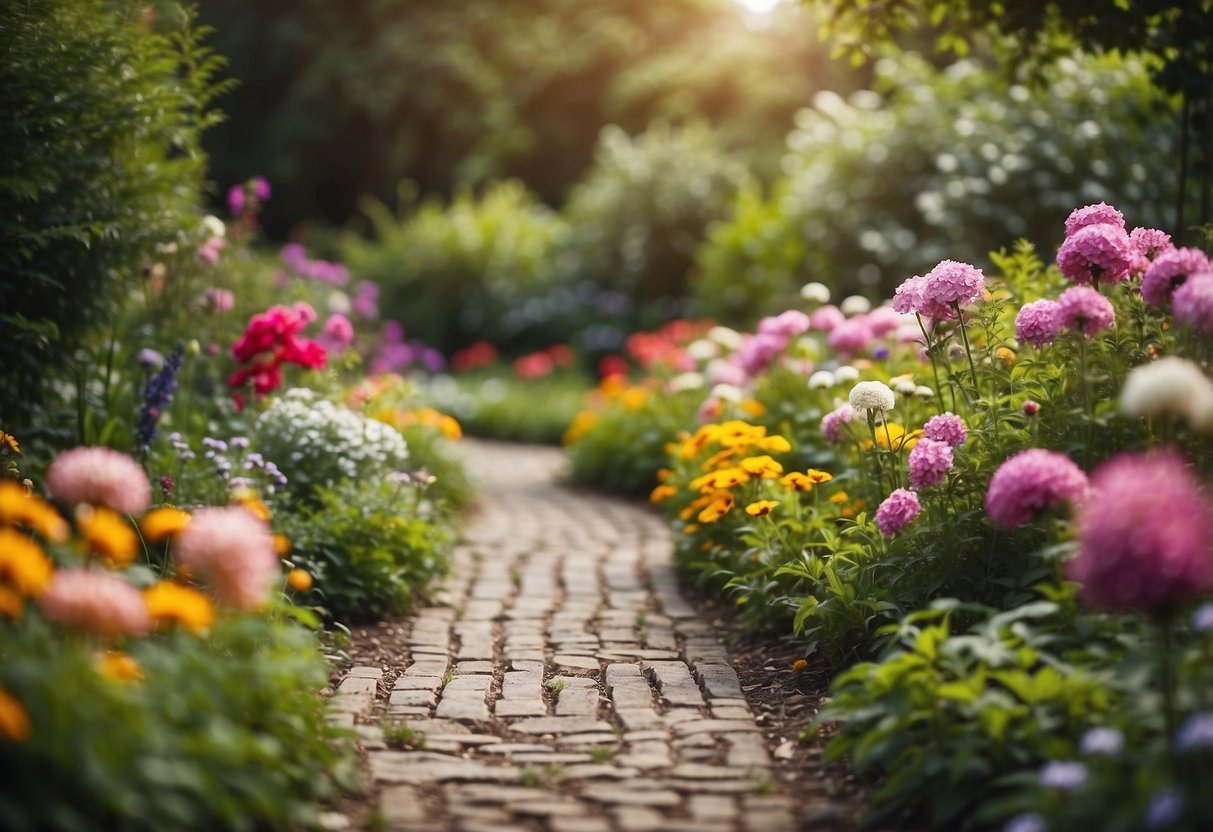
<point x="1145" y="536"/>
<point x="930" y="462"/>
<point x="97" y="602"/>
<point x="907" y="298"/>
<point x="1100" y="213"/>
<point x="1168" y="272"/>
<point x="1192" y="302"/>
<point x="949" y="283"/>
<point x="101" y="476"/>
<point x="787" y="324"/>
<point x="1147" y="244"/>
<point x="233" y="550"/>
<point x="1085" y="310"/>
<point x="1096" y="254"/>
<point x="825" y="318"/>
<point x="883" y="320"/>
<point x="946" y="427"/>
<point x="897" y="511"/>
<point x="851" y="336"/>
<point x="1031" y="481"/>
<point x="1038" y="323"/>
<point x="832" y="424"/>
<point x="758" y="351"/>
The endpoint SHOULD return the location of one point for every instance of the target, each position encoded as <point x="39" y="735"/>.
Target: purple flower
<point x="1192" y="302"/>
<point x="236" y="200"/>
<point x="946" y="427"/>
<point x="758" y="351"/>
<point x="1063" y="775"/>
<point x="825" y="318"/>
<point x="951" y="283"/>
<point x="1196" y="733"/>
<point x="1098" y="214"/>
<point x="1031" y="481"/>
<point x="1165" y="808"/>
<point x="1096" y="254"/>
<point x="157" y="394"/>
<point x="1038" y="323"/>
<point x="1147" y="244"/>
<point x="393" y="332"/>
<point x="851" y="336"/>
<point x="1106" y="741"/>
<point x="897" y="511"/>
<point x="365" y="302"/>
<point x="261" y="188"/>
<point x="1168" y="271"/>
<point x="788" y="324"/>
<point x="1145" y="535"/>
<point x="1026" y="822"/>
<point x="1202" y="618"/>
<point x="1084" y="309"/>
<point x="832" y="423"/>
<point x="930" y="462"/>
<point x="149" y="359"/>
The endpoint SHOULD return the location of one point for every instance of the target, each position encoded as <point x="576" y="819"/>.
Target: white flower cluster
<point x="316" y="441"/>
<point x="871" y="396"/>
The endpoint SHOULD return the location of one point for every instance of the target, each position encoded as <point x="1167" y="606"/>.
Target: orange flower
<point x="299" y="580"/>
<point x="818" y="476"/>
<point x="761" y="466"/>
<point x="695" y="506"/>
<point x="14" y="721"/>
<point x="1006" y="355"/>
<point x="581" y="425"/>
<point x="20" y="508"/>
<point x="7" y="440"/>
<point x="634" y="398"/>
<point x="171" y="603"/>
<point x="108" y="534"/>
<point x="721" y="505"/>
<point x="800" y="665"/>
<point x="450" y="428"/>
<point x="839" y="498"/>
<point x="796" y="481"/>
<point x="662" y="493"/>
<point x="11" y="604"/>
<point x="249" y="499"/>
<point x="718" y="459"/>
<point x="754" y="409"/>
<point x="761" y="508"/>
<point x="282" y="545"/>
<point x="724" y="478"/>
<point x="163" y="522"/>
<point x="23" y="567"/>
<point x="118" y="667"/>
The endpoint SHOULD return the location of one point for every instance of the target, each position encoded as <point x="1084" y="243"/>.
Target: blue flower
<point x="1196" y="733"/>
<point x="1107" y="741"/>
<point x="1063" y="775"/>
<point x="1165" y="808"/>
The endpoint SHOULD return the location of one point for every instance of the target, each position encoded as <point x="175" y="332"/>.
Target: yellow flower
<point x="118" y="667"/>
<point x="895" y="434"/>
<point x="718" y="460"/>
<point x="299" y="580"/>
<point x="14" y="721"/>
<point x="775" y="444"/>
<point x="839" y="498"/>
<point x="23" y="566"/>
<point x="721" y="505"/>
<point x="171" y="603"/>
<point x="249" y="499"/>
<point x="1006" y="355"/>
<point x="736" y="434"/>
<point x="690" y="529"/>
<point x="796" y="481"/>
<point x="753" y="408"/>
<point x="11" y="603"/>
<point x="581" y="425"/>
<point x="761" y="508"/>
<point x="634" y="398"/>
<point x="694" y="506"/>
<point x="724" y="478"/>
<point x="761" y="466"/>
<point x="19" y="507"/>
<point x="612" y="386"/>
<point x="800" y="665"/>
<point x="163" y="522"/>
<point x="282" y="545"/>
<point x="664" y="474"/>
<point x="7" y="440"/>
<point x="662" y="493"/>
<point x="450" y="428"/>
<point x="108" y="534"/>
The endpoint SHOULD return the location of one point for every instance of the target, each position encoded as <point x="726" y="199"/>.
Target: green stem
<point x="934" y="366"/>
<point x="875" y="450"/>
<point x="964" y="334"/>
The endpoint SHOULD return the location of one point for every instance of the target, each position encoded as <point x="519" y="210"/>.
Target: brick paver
<point x="562" y="682"/>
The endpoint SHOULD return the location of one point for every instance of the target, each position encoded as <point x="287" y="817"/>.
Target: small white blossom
<point x="855" y="305"/>
<point x="727" y="393"/>
<point x="703" y="349"/>
<point x="845" y="373"/>
<point x="730" y="339"/>
<point x="816" y="292"/>
<point x="923" y="392"/>
<point x="686" y="381"/>
<point x="213" y="226"/>
<point x="1167" y="387"/>
<point x="872" y="396"/>
<point x="821" y="380"/>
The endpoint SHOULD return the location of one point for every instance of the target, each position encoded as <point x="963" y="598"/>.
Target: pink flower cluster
<point x="1145" y="536"/>
<point x="296" y="259"/>
<point x="1192" y="302"/>
<point x="101" y="476"/>
<point x="1085" y="310"/>
<point x="897" y="511"/>
<point x="947" y="427"/>
<point x="271" y="339"/>
<point x="1097" y="247"/>
<point x="1100" y="213"/>
<point x="832" y="424"/>
<point x="1038" y="323"/>
<point x="97" y="602"/>
<point x="851" y="336"/>
<point x="1031" y="481"/>
<point x="1169" y="271"/>
<point x="1147" y="244"/>
<point x="338" y="334"/>
<point x="232" y="549"/>
<point x="937" y="293"/>
<point x="247" y="194"/>
<point x="930" y="461"/>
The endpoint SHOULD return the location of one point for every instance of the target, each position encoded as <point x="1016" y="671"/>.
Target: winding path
<point x="560" y="681"/>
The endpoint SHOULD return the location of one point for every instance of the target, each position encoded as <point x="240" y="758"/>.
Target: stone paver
<point x="560" y="681"/>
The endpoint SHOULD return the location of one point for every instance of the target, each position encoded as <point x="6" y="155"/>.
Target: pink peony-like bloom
<point x="930" y="462"/>
<point x="897" y="511"/>
<point x="1100" y="213"/>
<point x="884" y="319"/>
<point x="1192" y="302"/>
<point x="758" y="351"/>
<point x="825" y="318"/>
<point x="946" y="427"/>
<point x="1168" y="272"/>
<point x="1085" y="310"/>
<point x="787" y="324"/>
<point x="97" y="602"/>
<point x="339" y="328"/>
<point x="949" y="283"/>
<point x="1096" y="254"/>
<point x="851" y="336"/>
<point x="232" y="549"/>
<point x="832" y="423"/>
<point x="1147" y="244"/>
<point x="1038" y="323"/>
<point x="101" y="476"/>
<point x="219" y="300"/>
<point x="1031" y="481"/>
<point x="907" y="298"/>
<point x="1145" y="536"/>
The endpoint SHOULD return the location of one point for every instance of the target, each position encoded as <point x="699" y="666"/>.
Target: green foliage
<point x="101" y="129"/>
<point x="939" y="164"/>
<point x="372" y="545"/>
<point x="222" y="732"/>
<point x="495" y="405"/>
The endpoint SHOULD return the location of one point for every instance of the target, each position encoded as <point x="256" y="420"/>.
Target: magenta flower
<point x="1085" y="310"/>
<point x="951" y="283"/>
<point x="101" y="476"/>
<point x="907" y="298"/>
<point x="365" y="302"/>
<point x="261" y="188"/>
<point x="1145" y="536"/>
<point x="788" y="324"/>
<point x="758" y="351"/>
<point x="930" y="462"/>
<point x="832" y="424"/>
<point x="97" y="602"/>
<point x="1098" y="214"/>
<point x="897" y="511"/>
<point x="851" y="336"/>
<point x="1096" y="254"/>
<point x="219" y="300"/>
<point x="1168" y="272"/>
<point x="1147" y="244"/>
<point x="825" y="318"/>
<point x="236" y="200"/>
<point x="1038" y="323"/>
<point x="946" y="427"/>
<point x="1192" y="302"/>
<point x="232" y="549"/>
<point x="1031" y="481"/>
<point x="339" y="328"/>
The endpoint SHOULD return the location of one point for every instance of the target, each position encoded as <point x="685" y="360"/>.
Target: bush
<point x="101" y="125"/>
<point x="951" y="164"/>
<point x="493" y="404"/>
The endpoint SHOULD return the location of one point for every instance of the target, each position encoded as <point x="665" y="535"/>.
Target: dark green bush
<point x="101" y="118"/>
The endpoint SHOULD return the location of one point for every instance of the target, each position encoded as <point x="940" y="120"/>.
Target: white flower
<point x="845" y="373"/>
<point x="1169" y="386"/>
<point x="869" y="396"/>
<point x="703" y="349"/>
<point x="727" y="393"/>
<point x="214" y="226"/>
<point x="338" y="301"/>
<point x="855" y="305"/>
<point x="903" y="384"/>
<point x="730" y="339"/>
<point x="821" y="380"/>
<point x="923" y="392"/>
<point x="818" y="292"/>
<point x="686" y="381"/>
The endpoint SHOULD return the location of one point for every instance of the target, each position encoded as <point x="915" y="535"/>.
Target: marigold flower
<point x="7" y="440"/>
<point x="1006" y="355"/>
<point x="118" y="666"/>
<point x="800" y="665"/>
<point x="232" y="548"/>
<point x="761" y="466"/>
<point x="753" y="408"/>
<point x="100" y="476"/>
<point x="761" y="508"/>
<point x="796" y="481"/>
<point x="11" y="604"/>
<point x="724" y="478"/>
<point x="449" y="427"/>
<point x="20" y="508"/>
<point x="170" y="603"/>
<point x="897" y="511"/>
<point x="163" y="522"/>
<point x="662" y="493"/>
<point x="775" y="444"/>
<point x="721" y="505"/>
<point x="108" y="535"/>
<point x="1031" y="481"/>
<point x="14" y="721"/>
<point x="299" y="580"/>
<point x="97" y="602"/>
<point x="839" y="497"/>
<point x="23" y="566"/>
<point x="281" y="544"/>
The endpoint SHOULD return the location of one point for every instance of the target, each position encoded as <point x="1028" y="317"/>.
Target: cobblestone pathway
<point x="560" y="681"/>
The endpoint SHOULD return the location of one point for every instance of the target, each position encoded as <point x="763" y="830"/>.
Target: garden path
<point x="560" y="680"/>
